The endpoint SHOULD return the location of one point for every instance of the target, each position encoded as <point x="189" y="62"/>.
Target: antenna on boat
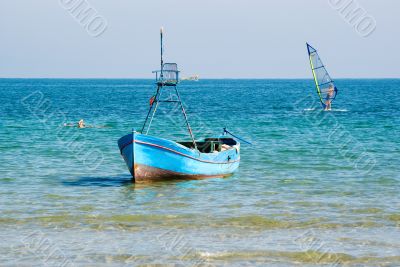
<point x="167" y="76"/>
<point x="162" y="51"/>
<point x="235" y="136"/>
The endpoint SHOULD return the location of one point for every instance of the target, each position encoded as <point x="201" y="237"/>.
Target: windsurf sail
<point x="326" y="88"/>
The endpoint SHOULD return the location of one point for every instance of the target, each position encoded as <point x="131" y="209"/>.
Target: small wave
<point x="302" y="257"/>
<point x="137" y="221"/>
<point x="394" y="218"/>
<point x="339" y="110"/>
<point x="263" y="223"/>
<point x="320" y="109"/>
<point x="7" y="180"/>
<point x="309" y="256"/>
<point x="367" y="211"/>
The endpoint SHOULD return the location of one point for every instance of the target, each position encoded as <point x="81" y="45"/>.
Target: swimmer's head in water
<point x="81" y="123"/>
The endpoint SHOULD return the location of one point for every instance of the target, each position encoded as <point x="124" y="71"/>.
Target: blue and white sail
<point x="326" y="88"/>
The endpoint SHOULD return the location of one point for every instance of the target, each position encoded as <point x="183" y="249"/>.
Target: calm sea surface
<point x="315" y="188"/>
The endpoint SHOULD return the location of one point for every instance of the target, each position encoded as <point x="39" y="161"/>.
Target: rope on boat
<point x="237" y="137"/>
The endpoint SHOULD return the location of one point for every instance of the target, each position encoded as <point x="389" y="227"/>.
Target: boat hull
<point x="155" y="159"/>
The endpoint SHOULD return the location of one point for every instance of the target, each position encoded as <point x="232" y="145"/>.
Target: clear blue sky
<point x="212" y="38"/>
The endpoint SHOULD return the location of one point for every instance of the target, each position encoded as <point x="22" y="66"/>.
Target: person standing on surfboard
<point x="329" y="97"/>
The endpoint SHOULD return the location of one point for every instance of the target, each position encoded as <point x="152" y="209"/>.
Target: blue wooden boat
<point x="151" y="158"/>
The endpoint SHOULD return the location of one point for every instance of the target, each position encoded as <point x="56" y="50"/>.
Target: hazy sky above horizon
<point x="214" y="39"/>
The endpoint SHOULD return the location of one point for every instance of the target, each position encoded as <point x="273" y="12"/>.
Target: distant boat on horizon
<point x="194" y="78"/>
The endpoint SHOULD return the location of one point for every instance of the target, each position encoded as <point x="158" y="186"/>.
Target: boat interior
<point x="212" y="145"/>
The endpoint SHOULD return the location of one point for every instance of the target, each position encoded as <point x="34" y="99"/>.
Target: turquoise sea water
<point x="315" y="188"/>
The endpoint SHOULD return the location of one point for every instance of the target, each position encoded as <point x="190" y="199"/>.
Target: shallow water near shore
<point x="315" y="188"/>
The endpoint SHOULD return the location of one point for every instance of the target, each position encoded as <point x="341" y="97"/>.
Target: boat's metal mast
<point x="162" y="52"/>
<point x="160" y="84"/>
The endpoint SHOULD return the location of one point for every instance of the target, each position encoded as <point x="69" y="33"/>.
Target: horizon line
<point x="239" y="78"/>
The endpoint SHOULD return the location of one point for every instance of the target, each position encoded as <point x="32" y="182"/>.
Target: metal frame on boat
<point x="150" y="158"/>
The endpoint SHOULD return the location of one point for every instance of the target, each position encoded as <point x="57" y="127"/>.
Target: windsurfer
<point x="329" y="97"/>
